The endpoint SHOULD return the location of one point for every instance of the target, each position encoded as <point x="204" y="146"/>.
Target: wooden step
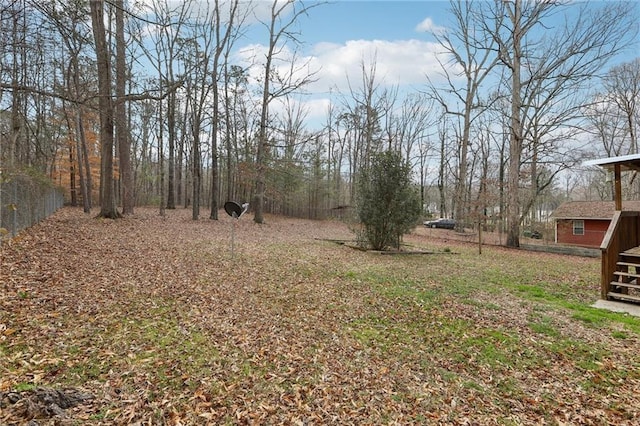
<point x="627" y="285"/>
<point x="622" y="296"/>
<point x="630" y="254"/>
<point x="637" y="265"/>
<point x="626" y="274"/>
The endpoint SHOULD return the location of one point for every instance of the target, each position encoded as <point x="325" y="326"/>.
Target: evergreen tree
<point x="388" y="202"/>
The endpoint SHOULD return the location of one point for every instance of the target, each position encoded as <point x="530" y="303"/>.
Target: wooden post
<point x="617" y="196"/>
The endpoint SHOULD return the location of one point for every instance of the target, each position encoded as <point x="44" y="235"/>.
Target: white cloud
<point x="427" y="26"/>
<point x="402" y="63"/>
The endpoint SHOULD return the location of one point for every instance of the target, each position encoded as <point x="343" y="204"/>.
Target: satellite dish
<point x="233" y="209"/>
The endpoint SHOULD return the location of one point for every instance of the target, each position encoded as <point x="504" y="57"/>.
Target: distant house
<point x="584" y="223"/>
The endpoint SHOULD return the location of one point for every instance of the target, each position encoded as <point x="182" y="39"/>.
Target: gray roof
<point x="592" y="209"/>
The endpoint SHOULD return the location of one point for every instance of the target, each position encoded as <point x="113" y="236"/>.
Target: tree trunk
<point x="72" y="178"/>
<point x="107" y="190"/>
<point x="215" y="181"/>
<point x="278" y="27"/>
<point x="196" y="178"/>
<point x="83" y="157"/>
<point x="515" y="145"/>
<point x="461" y="184"/>
<point x="122" y="131"/>
<point x="262" y="142"/>
<point x="228" y="133"/>
<point x="441" y="175"/>
<point x="161" y="159"/>
<point x="171" y="161"/>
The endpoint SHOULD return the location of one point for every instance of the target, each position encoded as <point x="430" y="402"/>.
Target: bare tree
<point x="197" y="91"/>
<point x="546" y="65"/>
<point x="614" y="115"/>
<point x="223" y="43"/>
<point x="443" y="165"/>
<point x="237" y="125"/>
<point x="167" y="31"/>
<point x="69" y="21"/>
<point x="290" y="153"/>
<point x="622" y="84"/>
<point x="112" y="110"/>
<point x="413" y="123"/>
<point x="607" y="126"/>
<point x="336" y="147"/>
<point x="167" y="45"/>
<point x="408" y="128"/>
<point x="284" y="14"/>
<point x="470" y="49"/>
<point x="363" y="111"/>
<point x="18" y="148"/>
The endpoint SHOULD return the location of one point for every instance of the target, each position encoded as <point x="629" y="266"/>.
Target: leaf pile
<point x="152" y="320"/>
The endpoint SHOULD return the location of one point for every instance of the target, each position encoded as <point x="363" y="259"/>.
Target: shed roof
<point x="591" y="209"/>
<point x="626" y="162"/>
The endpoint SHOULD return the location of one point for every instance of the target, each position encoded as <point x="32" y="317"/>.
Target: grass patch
<point x="620" y="335"/>
<point x="544" y="325"/>
<point x="493" y="348"/>
<point x="602" y="317"/>
<point x="380" y="333"/>
<point x="588" y="315"/>
<point x="23" y="387"/>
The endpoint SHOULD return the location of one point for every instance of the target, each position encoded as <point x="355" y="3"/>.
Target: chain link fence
<point x="25" y="201"/>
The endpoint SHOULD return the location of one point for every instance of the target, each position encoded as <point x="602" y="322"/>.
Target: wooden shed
<point x="585" y="223"/>
<point x="620" y="247"/>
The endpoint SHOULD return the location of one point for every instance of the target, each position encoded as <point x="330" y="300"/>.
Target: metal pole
<point x="233" y="232"/>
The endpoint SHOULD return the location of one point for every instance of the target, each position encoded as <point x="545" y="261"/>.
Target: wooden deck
<point x="620" y="249"/>
<point x="625" y="285"/>
<point x="620" y="244"/>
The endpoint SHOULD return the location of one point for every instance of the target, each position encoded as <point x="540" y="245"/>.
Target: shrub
<point x="388" y="203"/>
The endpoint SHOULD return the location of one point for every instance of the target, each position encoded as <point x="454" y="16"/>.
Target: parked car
<point x="533" y="234"/>
<point x="441" y="223"/>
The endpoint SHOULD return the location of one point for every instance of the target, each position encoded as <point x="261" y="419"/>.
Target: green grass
<point x="450" y="278"/>
<point x="423" y="287"/>
<point x="544" y="325"/>
<point x="620" y="335"/>
<point x="579" y="311"/>
<point x="22" y="387"/>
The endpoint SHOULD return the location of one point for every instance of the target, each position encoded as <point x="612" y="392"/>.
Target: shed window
<point x="578" y="227"/>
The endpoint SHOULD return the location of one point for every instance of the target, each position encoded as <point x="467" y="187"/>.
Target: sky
<point x="340" y="20"/>
<point x="340" y="36"/>
<point x="344" y="34"/>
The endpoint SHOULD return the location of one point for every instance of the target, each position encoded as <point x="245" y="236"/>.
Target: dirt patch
<point x="45" y="405"/>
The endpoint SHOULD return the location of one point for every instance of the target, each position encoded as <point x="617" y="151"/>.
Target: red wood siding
<point x="594" y="231"/>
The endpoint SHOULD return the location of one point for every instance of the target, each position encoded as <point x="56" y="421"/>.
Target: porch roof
<point x="626" y="162"/>
<point x="617" y="164"/>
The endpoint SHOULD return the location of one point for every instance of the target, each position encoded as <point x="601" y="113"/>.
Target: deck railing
<point x="623" y="234"/>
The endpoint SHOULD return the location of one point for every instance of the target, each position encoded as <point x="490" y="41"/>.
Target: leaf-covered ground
<point x="150" y="320"/>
